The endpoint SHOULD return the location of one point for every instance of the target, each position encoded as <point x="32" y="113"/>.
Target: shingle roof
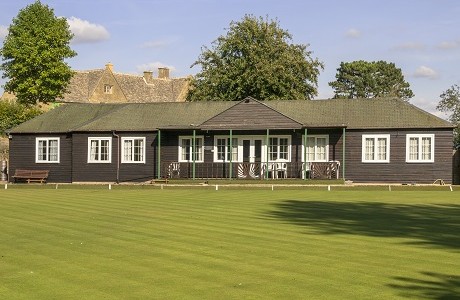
<point x="354" y="114"/>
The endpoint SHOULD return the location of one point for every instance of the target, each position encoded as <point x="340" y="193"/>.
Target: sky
<point x="422" y="37"/>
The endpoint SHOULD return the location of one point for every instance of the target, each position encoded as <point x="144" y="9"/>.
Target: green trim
<point x="159" y="155"/>
<point x="343" y="154"/>
<point x="193" y="154"/>
<point x="230" y="171"/>
<point x="266" y="154"/>
<point x="304" y="170"/>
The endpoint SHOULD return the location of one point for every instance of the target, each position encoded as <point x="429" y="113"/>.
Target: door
<point x="252" y="150"/>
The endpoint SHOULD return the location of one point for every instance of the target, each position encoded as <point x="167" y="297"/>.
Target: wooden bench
<point x="31" y="175"/>
<point x="161" y="180"/>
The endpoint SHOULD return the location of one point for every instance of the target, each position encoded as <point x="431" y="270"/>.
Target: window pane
<point x="53" y="150"/>
<point x="94" y="150"/>
<point x="127" y="149"/>
<point x="283" y="148"/>
<point x="198" y="149"/>
<point x="42" y="150"/>
<point x="234" y="149"/>
<point x="221" y="149"/>
<point x="413" y="148"/>
<point x="310" y="149"/>
<point x="382" y="148"/>
<point x="186" y="149"/>
<point x="321" y="149"/>
<point x="369" y="154"/>
<point x="104" y="150"/>
<point x="426" y="148"/>
<point x="273" y="149"/>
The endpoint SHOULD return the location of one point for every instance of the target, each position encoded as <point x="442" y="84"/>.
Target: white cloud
<point x="153" y="66"/>
<point x="353" y="33"/>
<point x="86" y="32"/>
<point x="3" y="31"/>
<point x="447" y="45"/>
<point x="425" y="72"/>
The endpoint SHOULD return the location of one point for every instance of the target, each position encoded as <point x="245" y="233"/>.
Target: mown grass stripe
<point x="231" y="244"/>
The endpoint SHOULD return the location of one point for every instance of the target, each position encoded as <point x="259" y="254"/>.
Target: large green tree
<point x="255" y="58"/>
<point x="33" y="55"/>
<point x="450" y="103"/>
<point x="364" y="79"/>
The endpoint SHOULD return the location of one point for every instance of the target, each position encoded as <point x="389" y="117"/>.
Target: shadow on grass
<point x="435" y="286"/>
<point x="429" y="225"/>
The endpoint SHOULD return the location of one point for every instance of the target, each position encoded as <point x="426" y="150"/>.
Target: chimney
<point x="148" y="76"/>
<point x="109" y="66"/>
<point x="163" y="73"/>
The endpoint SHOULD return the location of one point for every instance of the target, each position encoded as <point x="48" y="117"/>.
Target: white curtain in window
<point x="413" y="148"/>
<point x="310" y="149"/>
<point x="93" y="150"/>
<point x="127" y="150"/>
<point x="369" y="149"/>
<point x="382" y="148"/>
<point x="426" y="148"/>
<point x="53" y="150"/>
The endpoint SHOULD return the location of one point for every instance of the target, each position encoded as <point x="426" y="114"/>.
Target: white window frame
<point x="200" y="149"/>
<point x="235" y="145"/>
<point x="132" y="161"/>
<point x="419" y="151"/>
<point x="289" y="145"/>
<point x="316" y="137"/>
<point x="47" y="140"/>
<point x="98" y="160"/>
<point x="376" y="149"/>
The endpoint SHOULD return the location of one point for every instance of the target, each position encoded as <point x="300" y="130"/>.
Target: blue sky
<point x="422" y="37"/>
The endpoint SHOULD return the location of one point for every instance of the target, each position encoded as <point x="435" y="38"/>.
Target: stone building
<point x="107" y="86"/>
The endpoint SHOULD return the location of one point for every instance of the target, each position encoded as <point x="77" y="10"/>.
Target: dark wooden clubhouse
<point x="363" y="140"/>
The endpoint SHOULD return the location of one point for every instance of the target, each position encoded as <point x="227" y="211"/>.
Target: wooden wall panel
<point x="22" y="156"/>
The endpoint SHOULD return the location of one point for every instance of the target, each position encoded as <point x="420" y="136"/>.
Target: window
<point x="133" y="150"/>
<point x="420" y="148"/>
<point x="47" y="150"/>
<point x="99" y="150"/>
<point x="222" y="149"/>
<point x="376" y="148"/>
<point x="317" y="148"/>
<point x="278" y="148"/>
<point x="107" y="89"/>
<point x="185" y="149"/>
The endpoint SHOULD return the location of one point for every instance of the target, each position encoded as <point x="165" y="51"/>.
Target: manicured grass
<point x="228" y="244"/>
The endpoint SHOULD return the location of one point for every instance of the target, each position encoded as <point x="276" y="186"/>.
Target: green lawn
<point x="228" y="244"/>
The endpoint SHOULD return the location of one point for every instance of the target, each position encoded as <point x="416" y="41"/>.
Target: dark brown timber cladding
<point x="23" y="152"/>
<point x="250" y="115"/>
<point x="107" y="172"/>
<point x="398" y="170"/>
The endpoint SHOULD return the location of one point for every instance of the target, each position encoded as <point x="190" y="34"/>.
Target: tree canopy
<point x="255" y="58"/>
<point x="13" y="114"/>
<point x="363" y="79"/>
<point x="33" y="55"/>
<point x="450" y="103"/>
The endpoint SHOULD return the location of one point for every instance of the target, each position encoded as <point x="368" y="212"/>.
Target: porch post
<point x="159" y="155"/>
<point x="343" y="153"/>
<point x="266" y="154"/>
<point x="230" y="171"/>
<point x="304" y="167"/>
<point x="193" y="153"/>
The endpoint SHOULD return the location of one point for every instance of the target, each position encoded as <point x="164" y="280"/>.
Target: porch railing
<point x="255" y="171"/>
